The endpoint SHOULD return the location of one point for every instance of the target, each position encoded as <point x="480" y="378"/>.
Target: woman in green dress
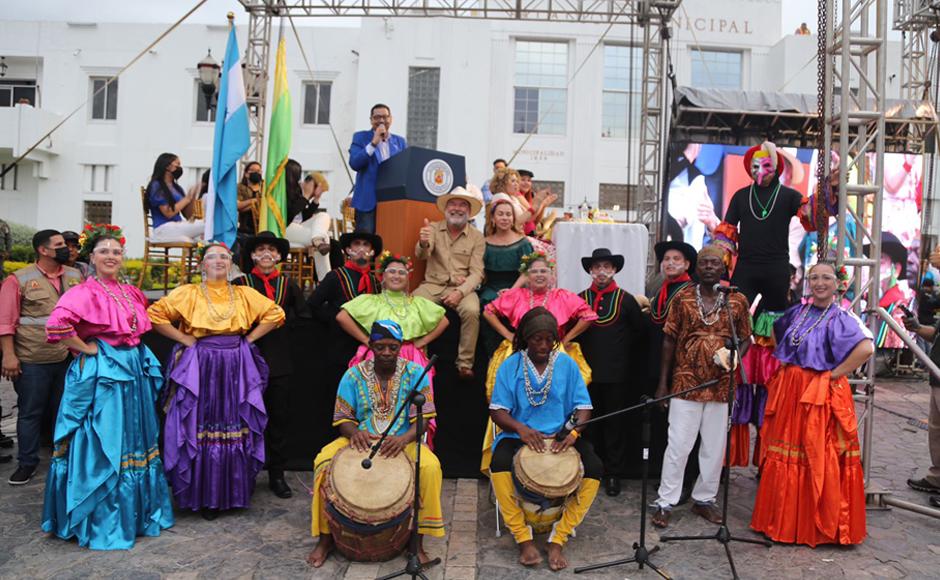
<point x="505" y="247"/>
<point x="421" y="320"/>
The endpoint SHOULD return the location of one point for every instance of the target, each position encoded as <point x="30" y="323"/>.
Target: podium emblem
<point x="438" y="177"/>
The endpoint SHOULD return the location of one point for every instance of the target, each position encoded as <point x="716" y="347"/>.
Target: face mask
<point x="177" y="173"/>
<point x="62" y="255"/>
<point x="254" y="178"/>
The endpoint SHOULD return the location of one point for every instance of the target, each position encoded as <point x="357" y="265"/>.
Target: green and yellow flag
<point x="274" y="209"/>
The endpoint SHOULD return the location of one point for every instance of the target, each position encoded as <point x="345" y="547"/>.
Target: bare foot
<point x="319" y="554"/>
<point x="528" y="554"/>
<point x="422" y="555"/>
<point x="556" y="560"/>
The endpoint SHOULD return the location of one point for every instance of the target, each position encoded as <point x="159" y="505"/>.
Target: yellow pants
<point x="430" y="516"/>
<point x="502" y="352"/>
<point x="575" y="508"/>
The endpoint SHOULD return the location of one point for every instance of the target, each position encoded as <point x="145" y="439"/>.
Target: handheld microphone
<point x="725" y="289"/>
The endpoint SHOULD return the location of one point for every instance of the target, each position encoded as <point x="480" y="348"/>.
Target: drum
<point x="368" y="510"/>
<point x="544" y="481"/>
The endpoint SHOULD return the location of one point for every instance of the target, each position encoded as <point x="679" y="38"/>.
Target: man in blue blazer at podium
<point x="368" y="150"/>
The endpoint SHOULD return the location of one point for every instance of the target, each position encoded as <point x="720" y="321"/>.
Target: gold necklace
<point x="213" y="313"/>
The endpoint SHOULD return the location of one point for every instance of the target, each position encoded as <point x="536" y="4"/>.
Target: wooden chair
<point x="164" y="254"/>
<point x="348" y="220"/>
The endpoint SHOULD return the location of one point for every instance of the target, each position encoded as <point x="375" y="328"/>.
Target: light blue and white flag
<point x="232" y="139"/>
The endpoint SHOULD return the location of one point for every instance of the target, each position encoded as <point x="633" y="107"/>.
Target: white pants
<point x="688" y="420"/>
<point x="181" y="231"/>
<point x="313" y="232"/>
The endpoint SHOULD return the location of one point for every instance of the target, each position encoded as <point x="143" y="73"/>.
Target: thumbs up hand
<point x="424" y="236"/>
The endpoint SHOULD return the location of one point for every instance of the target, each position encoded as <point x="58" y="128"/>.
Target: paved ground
<point x="271" y="539"/>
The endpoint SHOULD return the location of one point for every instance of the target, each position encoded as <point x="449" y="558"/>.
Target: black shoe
<point x="934" y="500"/>
<point x="6" y="441"/>
<point x="22" y="475"/>
<point x="612" y="486"/>
<point x="278" y="485"/>
<point x="209" y="514"/>
<point x="923" y="485"/>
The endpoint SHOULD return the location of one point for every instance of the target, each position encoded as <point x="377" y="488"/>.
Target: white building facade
<point x="471" y="87"/>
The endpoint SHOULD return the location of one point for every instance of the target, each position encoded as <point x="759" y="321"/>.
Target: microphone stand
<point x="723" y="534"/>
<point x="413" y="566"/>
<point x="641" y="555"/>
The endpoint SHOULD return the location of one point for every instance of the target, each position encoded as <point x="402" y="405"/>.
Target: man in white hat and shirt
<point x="454" y="253"/>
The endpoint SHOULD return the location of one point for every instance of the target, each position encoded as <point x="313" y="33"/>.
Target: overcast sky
<point x="213" y="12"/>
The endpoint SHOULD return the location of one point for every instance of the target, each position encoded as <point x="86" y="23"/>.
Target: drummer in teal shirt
<point x="537" y="389"/>
<point x="369" y="396"/>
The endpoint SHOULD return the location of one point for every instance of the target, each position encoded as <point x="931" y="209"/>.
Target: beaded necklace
<point x="213" y="313"/>
<point x="532" y="299"/>
<point x="382" y="403"/>
<point x="126" y="306"/>
<point x="543" y="381"/>
<point x="765" y="209"/>
<point x="797" y="340"/>
<point x="400" y="310"/>
<point x="706" y="317"/>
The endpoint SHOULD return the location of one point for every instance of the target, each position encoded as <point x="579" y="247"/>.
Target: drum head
<point x="549" y="474"/>
<point x="372" y="494"/>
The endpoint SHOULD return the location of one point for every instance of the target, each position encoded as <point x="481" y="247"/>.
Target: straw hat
<point x="471" y="195"/>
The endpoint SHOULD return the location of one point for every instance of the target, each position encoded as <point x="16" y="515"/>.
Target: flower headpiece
<point x="536" y="256"/>
<point x="91" y="233"/>
<point x="386" y="257"/>
<point x="203" y="247"/>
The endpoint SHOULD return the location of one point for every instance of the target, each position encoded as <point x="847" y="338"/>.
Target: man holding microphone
<point x="370" y="148"/>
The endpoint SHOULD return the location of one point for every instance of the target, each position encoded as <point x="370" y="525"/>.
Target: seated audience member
<point x="169" y="204"/>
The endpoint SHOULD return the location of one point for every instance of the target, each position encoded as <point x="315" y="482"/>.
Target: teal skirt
<point x="106" y="484"/>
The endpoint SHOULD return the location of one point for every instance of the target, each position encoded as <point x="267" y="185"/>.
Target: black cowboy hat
<point x="602" y="254"/>
<point x="346" y="240"/>
<point x="266" y="237"/>
<point x="892" y="247"/>
<point x="525" y="173"/>
<point x="688" y="251"/>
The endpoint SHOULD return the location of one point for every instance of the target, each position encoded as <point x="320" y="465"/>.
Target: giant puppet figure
<point x="755" y="231"/>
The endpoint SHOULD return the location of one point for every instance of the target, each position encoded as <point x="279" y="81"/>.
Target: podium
<point x="407" y="188"/>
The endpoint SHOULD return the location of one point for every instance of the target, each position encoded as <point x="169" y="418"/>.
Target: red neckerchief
<point x="664" y="291"/>
<point x="266" y="278"/>
<point x="599" y="294"/>
<point x="365" y="280"/>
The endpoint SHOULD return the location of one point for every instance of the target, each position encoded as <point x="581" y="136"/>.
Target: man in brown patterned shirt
<point x="697" y="348"/>
<point x="454" y="251"/>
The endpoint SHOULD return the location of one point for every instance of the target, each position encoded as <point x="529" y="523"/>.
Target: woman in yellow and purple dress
<point x="213" y="442"/>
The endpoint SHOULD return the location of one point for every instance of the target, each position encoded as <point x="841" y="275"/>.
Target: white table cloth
<point x="574" y="240"/>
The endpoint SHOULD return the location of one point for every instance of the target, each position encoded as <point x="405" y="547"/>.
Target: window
<point x="97" y="212"/>
<point x="317" y="103"/>
<point x="98" y="178"/>
<point x="13" y="91"/>
<point x="621" y="194"/>
<point x="623" y="81"/>
<point x="203" y="113"/>
<point x="8" y="181"/>
<point x="716" y="69"/>
<point x="540" y="99"/>
<point x="557" y="187"/>
<point x="423" y="96"/>
<point x="104" y="103"/>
